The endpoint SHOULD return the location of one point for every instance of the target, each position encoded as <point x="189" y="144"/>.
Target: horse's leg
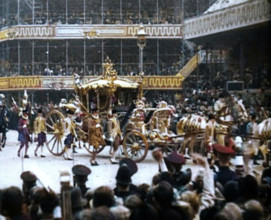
<point x="192" y="144"/>
<point x="185" y="141"/>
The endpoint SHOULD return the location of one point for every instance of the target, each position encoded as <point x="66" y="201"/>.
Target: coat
<point x="24" y="136"/>
<point x="95" y="133"/>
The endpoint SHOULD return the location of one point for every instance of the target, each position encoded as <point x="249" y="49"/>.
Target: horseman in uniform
<point x="40" y="132"/>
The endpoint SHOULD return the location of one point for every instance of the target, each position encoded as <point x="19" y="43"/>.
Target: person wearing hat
<point x="24" y="136"/>
<point x="95" y="134"/>
<point x="29" y="181"/>
<point x="224" y="174"/>
<point x="40" y="132"/>
<point x="114" y="134"/>
<point x="80" y="177"/>
<point x="69" y="132"/>
<point x="124" y="186"/>
<point x="132" y="166"/>
<point x="172" y="164"/>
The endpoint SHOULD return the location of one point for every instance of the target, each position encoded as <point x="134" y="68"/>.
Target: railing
<point x="239" y="16"/>
<point x="190" y="66"/>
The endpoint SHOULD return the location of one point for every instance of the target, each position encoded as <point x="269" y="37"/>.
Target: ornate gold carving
<point x="109" y="73"/>
<point x="4" y="83"/>
<point x="157" y="82"/>
<point x="24" y="82"/>
<point x="155" y="31"/>
<point x="40" y="31"/>
<point x="91" y="34"/>
<point x="8" y="34"/>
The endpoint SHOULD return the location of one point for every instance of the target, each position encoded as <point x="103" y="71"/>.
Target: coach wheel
<point x="92" y="149"/>
<point x="135" y="146"/>
<point x="55" y="132"/>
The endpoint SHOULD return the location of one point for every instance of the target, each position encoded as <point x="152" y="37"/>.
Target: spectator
<point x="12" y="204"/>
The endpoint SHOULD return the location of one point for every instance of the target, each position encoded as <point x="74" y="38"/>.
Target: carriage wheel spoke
<point x="134" y="138"/>
<point x="61" y="144"/>
<point x="58" y="145"/>
<point x="51" y="120"/>
<point x="50" y="126"/>
<point x="51" y="139"/>
<point x="129" y="138"/>
<point x="54" y="145"/>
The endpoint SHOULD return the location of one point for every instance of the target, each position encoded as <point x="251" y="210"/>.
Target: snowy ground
<point x="48" y="169"/>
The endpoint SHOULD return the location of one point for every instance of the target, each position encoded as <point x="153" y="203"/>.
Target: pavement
<point x="48" y="169"/>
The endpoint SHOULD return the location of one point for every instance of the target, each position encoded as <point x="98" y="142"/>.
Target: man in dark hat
<point x="40" y="132"/>
<point x="70" y="134"/>
<point x="24" y="136"/>
<point x="29" y="181"/>
<point x="130" y="164"/>
<point x="173" y="163"/>
<point x="124" y="186"/>
<point x="80" y="177"/>
<point x="224" y="173"/>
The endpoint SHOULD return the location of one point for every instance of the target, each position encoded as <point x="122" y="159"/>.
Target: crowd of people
<point x="219" y="189"/>
<point x="102" y="12"/>
<point x="173" y="193"/>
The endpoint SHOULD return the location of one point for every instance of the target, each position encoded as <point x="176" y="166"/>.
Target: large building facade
<point x="43" y="38"/>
